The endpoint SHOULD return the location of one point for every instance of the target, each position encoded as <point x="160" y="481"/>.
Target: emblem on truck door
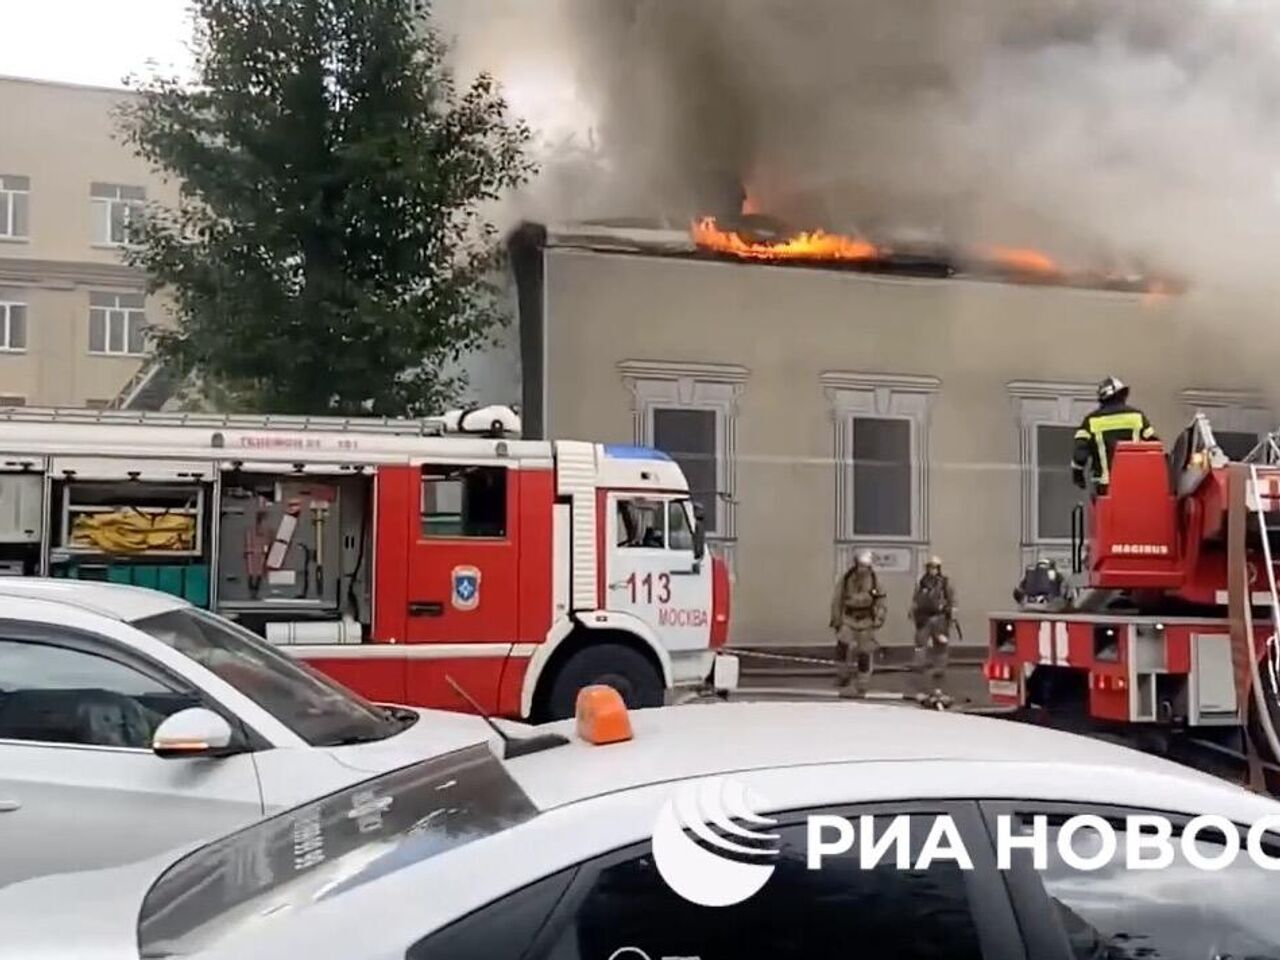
<point x="466" y="588"/>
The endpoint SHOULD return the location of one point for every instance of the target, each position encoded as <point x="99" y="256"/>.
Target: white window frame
<point x="717" y="387"/>
<point x="107" y="204"/>
<point x="6" y="226"/>
<point x="1231" y="411"/>
<point x="128" y="313"/>
<point x="1044" y="403"/>
<point x="852" y="396"/>
<point x="5" y="307"/>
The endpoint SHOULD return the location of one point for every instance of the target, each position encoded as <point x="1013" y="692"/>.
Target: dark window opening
<point x="882" y="488"/>
<point x="464" y="502"/>
<point x="689" y="438"/>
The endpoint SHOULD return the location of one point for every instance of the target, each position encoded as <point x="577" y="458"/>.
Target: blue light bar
<point x="634" y="453"/>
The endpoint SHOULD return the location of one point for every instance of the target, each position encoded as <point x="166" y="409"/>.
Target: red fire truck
<point x="1173" y="627"/>
<point x="393" y="555"/>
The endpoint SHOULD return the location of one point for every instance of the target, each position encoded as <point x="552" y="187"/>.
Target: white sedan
<point x="131" y="722"/>
<point x="719" y="831"/>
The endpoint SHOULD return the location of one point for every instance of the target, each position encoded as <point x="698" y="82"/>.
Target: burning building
<point x="829" y="392"/>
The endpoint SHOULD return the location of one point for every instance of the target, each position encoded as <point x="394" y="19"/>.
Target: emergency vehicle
<point x="1173" y="628"/>
<point x="394" y="555"/>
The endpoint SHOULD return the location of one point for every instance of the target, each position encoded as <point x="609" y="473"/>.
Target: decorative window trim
<point x="1043" y="403"/>
<point x="1235" y="411"/>
<point x="678" y="385"/>
<point x="888" y="396"/>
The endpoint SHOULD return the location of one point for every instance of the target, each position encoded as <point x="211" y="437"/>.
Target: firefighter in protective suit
<point x="933" y="607"/>
<point x="1095" y="442"/>
<point x="857" y="612"/>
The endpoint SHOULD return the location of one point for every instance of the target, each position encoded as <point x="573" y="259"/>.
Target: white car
<point x="623" y="851"/>
<point x="132" y="722"/>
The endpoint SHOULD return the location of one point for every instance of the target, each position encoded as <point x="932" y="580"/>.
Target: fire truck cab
<point x="398" y="556"/>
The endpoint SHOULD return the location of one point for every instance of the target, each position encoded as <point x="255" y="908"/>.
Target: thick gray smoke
<point x="1090" y="128"/>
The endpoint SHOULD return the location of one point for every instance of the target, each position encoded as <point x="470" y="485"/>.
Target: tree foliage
<point x="329" y="253"/>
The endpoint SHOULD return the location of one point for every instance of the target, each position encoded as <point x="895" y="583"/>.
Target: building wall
<point x="61" y="139"/>
<point x="786" y="353"/>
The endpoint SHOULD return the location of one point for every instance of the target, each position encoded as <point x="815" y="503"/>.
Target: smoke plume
<point x="1094" y="129"/>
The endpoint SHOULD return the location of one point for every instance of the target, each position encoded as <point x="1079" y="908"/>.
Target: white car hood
<point x="90" y="915"/>
<point x="434" y="733"/>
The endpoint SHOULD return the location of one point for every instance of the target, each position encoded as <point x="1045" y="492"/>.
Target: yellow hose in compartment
<point x="132" y="531"/>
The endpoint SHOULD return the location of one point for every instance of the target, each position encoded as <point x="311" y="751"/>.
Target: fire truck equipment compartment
<point x="21" y="507"/>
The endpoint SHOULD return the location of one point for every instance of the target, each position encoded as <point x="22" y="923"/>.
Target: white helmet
<point x="934" y="561"/>
<point x="863" y="559"/>
<point x="1112" y="388"/>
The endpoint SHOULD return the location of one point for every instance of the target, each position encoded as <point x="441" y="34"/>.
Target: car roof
<point x="116" y="600"/>
<point x="702" y="740"/>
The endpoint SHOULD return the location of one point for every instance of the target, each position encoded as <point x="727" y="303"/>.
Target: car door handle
<point x="426" y="608"/>
<point x="8" y="806"/>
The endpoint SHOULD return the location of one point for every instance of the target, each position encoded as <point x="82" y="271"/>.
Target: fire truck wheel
<point x="626" y="670"/>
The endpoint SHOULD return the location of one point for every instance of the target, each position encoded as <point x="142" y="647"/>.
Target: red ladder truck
<point x="1173" y="628"/>
<point x="394" y="555"/>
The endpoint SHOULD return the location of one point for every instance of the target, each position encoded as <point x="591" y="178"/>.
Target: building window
<point x="691" y="438"/>
<point x="882" y="488"/>
<point x="13" y="327"/>
<point x="114" y="209"/>
<point x="15" y="193"/>
<point x="1240" y="420"/>
<point x="690" y="412"/>
<point x="1049" y="414"/>
<point x="117" y="324"/>
<point x="880" y="446"/>
<point x="12" y="400"/>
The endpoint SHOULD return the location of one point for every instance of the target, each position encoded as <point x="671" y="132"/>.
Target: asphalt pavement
<point x="769" y="677"/>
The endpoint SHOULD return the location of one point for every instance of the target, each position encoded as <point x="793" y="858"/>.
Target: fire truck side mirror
<point x="699" y="539"/>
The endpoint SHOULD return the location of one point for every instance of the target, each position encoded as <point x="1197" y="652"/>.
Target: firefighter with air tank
<point x="857" y="612"/>
<point x="933" y="609"/>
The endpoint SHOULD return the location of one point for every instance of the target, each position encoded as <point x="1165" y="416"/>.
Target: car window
<point x="1179" y="912"/>
<point x="328" y="846"/>
<point x="310" y="704"/>
<point x="620" y="907"/>
<point x="56" y="694"/>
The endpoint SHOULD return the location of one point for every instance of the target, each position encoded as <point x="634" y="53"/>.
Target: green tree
<point x="330" y="252"/>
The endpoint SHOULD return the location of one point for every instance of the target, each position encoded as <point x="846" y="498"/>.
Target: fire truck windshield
<point x="318" y="710"/>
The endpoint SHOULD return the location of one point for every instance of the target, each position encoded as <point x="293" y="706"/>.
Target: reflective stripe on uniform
<point x="1099" y="426"/>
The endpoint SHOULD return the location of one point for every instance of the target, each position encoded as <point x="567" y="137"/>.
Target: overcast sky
<point x="92" y="41"/>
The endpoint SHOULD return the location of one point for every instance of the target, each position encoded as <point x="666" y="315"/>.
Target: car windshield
<point x="314" y="707"/>
<point x="329" y="846"/>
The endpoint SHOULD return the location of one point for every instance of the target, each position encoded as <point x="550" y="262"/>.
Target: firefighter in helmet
<point x="933" y="607"/>
<point x="857" y="612"/>
<point x="1095" y="442"/>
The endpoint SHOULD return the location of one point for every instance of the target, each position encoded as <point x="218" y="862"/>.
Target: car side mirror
<point x="195" y="732"/>
<point x="699" y="534"/>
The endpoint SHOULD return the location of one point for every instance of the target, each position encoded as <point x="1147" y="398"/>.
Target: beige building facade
<point x="72" y="315"/>
<point x="818" y="412"/>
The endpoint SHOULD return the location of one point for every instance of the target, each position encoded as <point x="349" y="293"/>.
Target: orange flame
<point x="817" y="245"/>
<point x="1022" y="260"/>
